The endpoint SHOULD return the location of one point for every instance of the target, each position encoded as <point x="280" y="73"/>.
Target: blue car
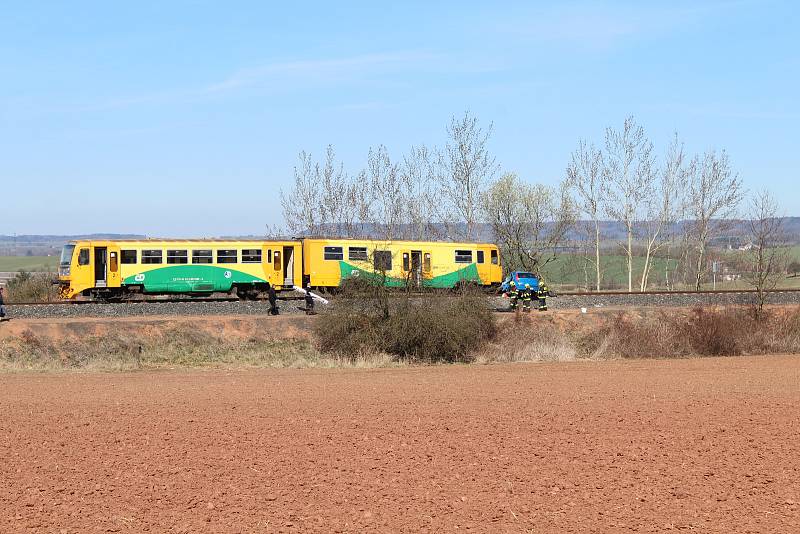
<point x="520" y="278"/>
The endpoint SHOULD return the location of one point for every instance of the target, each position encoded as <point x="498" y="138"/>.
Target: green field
<point x="567" y="271"/>
<point x="28" y="263"/>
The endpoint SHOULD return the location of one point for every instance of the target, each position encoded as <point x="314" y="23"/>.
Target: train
<point x="111" y="269"/>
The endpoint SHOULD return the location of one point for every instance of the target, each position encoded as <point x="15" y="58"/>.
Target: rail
<point x="290" y="298"/>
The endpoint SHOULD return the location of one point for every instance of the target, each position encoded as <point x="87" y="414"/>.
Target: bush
<point x="703" y="332"/>
<point x="31" y="287"/>
<point x="368" y="319"/>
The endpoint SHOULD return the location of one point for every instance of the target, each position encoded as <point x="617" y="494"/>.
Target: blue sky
<point x="185" y="118"/>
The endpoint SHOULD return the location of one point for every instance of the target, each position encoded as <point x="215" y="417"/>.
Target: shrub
<point x="718" y="332"/>
<point x="37" y="287"/>
<point x="366" y="318"/>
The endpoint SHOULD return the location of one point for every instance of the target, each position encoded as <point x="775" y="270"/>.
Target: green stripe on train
<point x="189" y="278"/>
<point x="467" y="274"/>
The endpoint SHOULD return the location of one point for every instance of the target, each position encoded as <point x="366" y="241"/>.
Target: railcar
<point x="113" y="268"/>
<point x="327" y="262"/>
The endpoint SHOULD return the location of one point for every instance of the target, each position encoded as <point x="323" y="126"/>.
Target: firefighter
<point x="513" y="295"/>
<point x="526" y="295"/>
<point x="542" y="295"/>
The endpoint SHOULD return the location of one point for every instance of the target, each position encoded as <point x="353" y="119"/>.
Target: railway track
<point x="592" y="294"/>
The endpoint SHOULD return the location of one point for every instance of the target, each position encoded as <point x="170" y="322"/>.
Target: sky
<point x="186" y="118"/>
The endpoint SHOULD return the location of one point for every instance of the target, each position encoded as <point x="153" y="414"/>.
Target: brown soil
<point x="711" y="445"/>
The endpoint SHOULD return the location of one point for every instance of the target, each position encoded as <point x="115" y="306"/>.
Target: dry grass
<point x="176" y="347"/>
<point x="676" y="334"/>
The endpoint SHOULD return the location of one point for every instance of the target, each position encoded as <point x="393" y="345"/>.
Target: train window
<point x="383" y="260"/>
<point x="227" y="256"/>
<point x="334" y="253"/>
<point x="426" y="262"/>
<point x="480" y="256"/>
<point x="269" y="256"/>
<point x="251" y="255"/>
<point x="83" y="257"/>
<point x="406" y="266"/>
<point x="128" y="257"/>
<point x="357" y="253"/>
<point x="202" y="256"/>
<point x="177" y="256"/>
<point x="495" y="258"/>
<point x="151" y="256"/>
<point x="463" y="256"/>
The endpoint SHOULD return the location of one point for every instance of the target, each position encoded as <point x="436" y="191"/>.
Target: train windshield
<point x="66" y="255"/>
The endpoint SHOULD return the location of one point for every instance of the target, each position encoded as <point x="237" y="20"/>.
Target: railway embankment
<point x="294" y="307"/>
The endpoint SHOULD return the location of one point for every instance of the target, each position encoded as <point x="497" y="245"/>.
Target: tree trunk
<point x="597" y="252"/>
<point x="630" y="259"/>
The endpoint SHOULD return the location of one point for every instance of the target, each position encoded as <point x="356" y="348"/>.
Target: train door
<point x="100" y="266"/>
<point x="288" y="266"/>
<point x="113" y="273"/>
<point x="412" y="267"/>
<point x="277" y="267"/>
<point x="416" y="268"/>
<point x="482" y="259"/>
<point x="427" y="268"/>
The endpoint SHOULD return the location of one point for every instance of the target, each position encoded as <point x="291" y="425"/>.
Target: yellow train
<point x="108" y="269"/>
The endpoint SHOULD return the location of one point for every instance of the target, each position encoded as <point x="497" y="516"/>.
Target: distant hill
<point x="48" y="245"/>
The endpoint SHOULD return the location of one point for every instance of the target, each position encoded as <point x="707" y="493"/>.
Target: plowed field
<point x="710" y="445"/>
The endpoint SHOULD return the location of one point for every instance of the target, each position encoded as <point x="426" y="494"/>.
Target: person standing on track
<point x="526" y="295"/>
<point x="273" y="301"/>
<point x="543" y="291"/>
<point x="513" y="295"/>
<point x="309" y="300"/>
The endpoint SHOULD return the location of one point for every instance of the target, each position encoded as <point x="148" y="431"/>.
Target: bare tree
<point x="419" y="177"/>
<point x="585" y="177"/>
<point x="630" y="171"/>
<point x="467" y="166"/>
<point x="768" y="255"/>
<point x="301" y="204"/>
<point x="529" y="221"/>
<point x="387" y="190"/>
<point x="714" y="193"/>
<point x="663" y="204"/>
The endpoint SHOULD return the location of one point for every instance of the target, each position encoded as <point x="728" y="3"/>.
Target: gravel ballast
<point x="160" y="308"/>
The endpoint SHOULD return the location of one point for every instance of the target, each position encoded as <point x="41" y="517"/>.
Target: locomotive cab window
<point x="495" y="258"/>
<point x="251" y="255"/>
<point x="151" y="256"/>
<point x="83" y="257"/>
<point x="227" y="256"/>
<point x="357" y="253"/>
<point x="463" y="256"/>
<point x="334" y="253"/>
<point x="480" y="256"/>
<point x="128" y="257"/>
<point x="383" y="260"/>
<point x="177" y="256"/>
